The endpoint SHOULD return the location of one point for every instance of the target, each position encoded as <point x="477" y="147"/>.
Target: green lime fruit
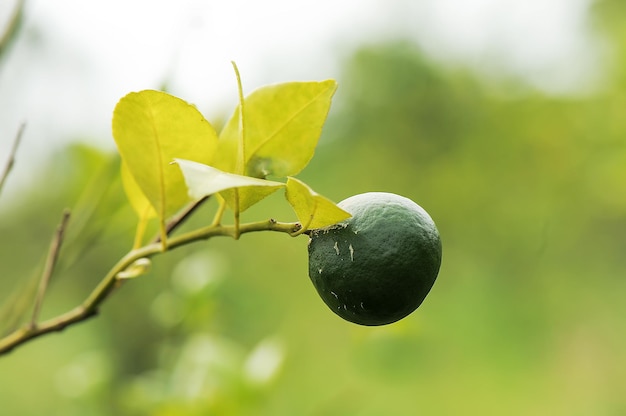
<point x="376" y="267"/>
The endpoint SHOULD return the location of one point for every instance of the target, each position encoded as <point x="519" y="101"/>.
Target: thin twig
<point x="51" y="260"/>
<point x="12" y="26"/>
<point x="179" y="219"/>
<point x="92" y="303"/>
<point x="11" y="161"/>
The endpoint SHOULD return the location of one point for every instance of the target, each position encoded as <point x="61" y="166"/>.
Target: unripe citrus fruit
<point x="377" y="266"/>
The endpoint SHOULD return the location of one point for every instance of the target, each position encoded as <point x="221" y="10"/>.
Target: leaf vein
<point x="289" y="120"/>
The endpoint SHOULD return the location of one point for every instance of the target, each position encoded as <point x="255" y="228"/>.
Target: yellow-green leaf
<point x="203" y="180"/>
<point x="283" y="123"/>
<point x="151" y="128"/>
<point x="313" y="210"/>
<point x="240" y="199"/>
<point x="144" y="210"/>
<point x="135" y="195"/>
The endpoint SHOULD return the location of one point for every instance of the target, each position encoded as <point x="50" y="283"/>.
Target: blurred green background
<point x="527" y="317"/>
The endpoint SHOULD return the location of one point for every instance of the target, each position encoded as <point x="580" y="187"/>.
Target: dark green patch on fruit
<point x="378" y="266"/>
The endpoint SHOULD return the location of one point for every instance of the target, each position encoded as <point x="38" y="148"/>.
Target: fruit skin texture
<point x="377" y="266"/>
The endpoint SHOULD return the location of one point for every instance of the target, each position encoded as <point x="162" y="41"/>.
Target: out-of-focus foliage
<point x="526" y="317"/>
